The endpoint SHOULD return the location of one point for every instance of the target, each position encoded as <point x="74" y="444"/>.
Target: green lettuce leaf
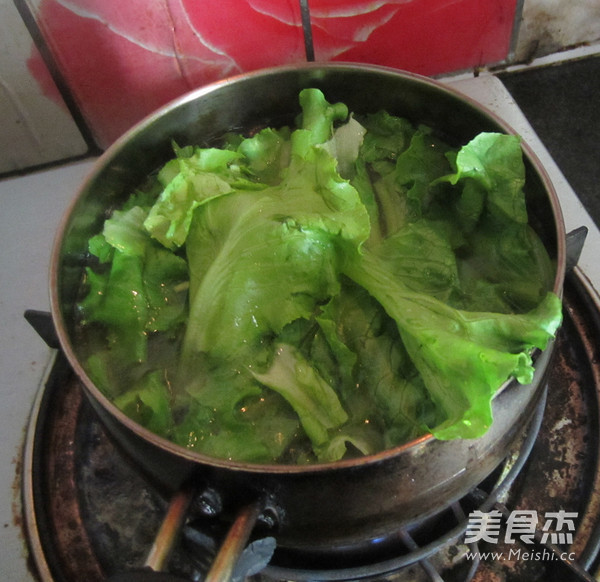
<point x="259" y="260"/>
<point x="148" y="402"/>
<point x="225" y="413"/>
<point x="313" y="399"/>
<point x="383" y="390"/>
<point x="463" y="357"/>
<point x="191" y="181"/>
<point x="328" y="291"/>
<point x="503" y="264"/>
<point x="495" y="161"/>
<point x="266" y="154"/>
<point x="142" y="289"/>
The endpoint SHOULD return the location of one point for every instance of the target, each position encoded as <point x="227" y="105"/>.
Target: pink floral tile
<point x="124" y="59"/>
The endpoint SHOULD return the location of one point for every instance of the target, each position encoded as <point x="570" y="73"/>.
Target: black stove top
<point x="562" y="104"/>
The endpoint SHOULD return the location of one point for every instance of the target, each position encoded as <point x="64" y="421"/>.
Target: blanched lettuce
<point x="274" y="254"/>
<point x="138" y="288"/>
<point x="314" y="400"/>
<point x="462" y="356"/>
<point x="328" y="290"/>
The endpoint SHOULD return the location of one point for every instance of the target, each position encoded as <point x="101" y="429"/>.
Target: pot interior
<point x="266" y="98"/>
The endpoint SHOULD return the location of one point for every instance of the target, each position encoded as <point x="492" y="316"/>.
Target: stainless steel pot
<point x="343" y="503"/>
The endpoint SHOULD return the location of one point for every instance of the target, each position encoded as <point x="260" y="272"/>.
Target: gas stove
<point x="47" y="542"/>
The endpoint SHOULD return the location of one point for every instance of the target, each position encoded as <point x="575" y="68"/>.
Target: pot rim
<point x="113" y="151"/>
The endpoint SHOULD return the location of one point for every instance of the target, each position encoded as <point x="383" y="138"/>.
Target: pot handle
<point x="235" y="541"/>
<point x="163" y="543"/>
<point x="223" y="566"/>
<point x="575" y="241"/>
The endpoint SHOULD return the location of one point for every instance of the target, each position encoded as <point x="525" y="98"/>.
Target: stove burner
<point x="415" y="545"/>
<point x="89" y="514"/>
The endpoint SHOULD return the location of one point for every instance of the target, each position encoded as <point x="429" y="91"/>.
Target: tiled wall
<point x="34" y="127"/>
<point x="549" y="26"/>
<point x="116" y="61"/>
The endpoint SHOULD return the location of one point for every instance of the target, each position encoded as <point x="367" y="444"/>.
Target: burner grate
<point x="443" y="533"/>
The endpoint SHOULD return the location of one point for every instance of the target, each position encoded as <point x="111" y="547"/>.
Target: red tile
<point x="122" y="60"/>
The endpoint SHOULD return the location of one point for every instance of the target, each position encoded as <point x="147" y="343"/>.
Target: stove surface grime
<point x="89" y="514"/>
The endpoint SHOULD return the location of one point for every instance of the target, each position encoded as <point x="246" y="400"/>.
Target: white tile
<point x="31" y="209"/>
<point x="550" y="26"/>
<point x="35" y="129"/>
